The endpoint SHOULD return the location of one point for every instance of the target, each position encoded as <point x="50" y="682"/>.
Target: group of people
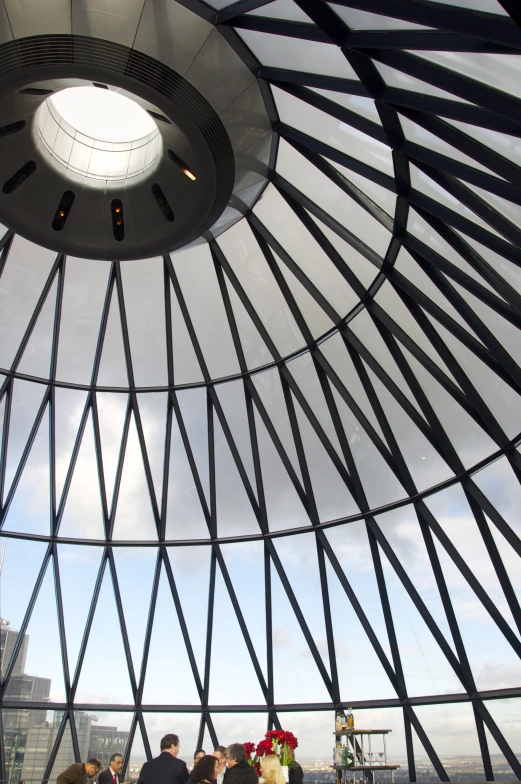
<point x="226" y="765"/>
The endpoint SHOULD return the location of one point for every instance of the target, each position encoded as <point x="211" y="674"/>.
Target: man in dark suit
<point x="165" y="769"/>
<point x="111" y="775"/>
<point x="238" y="771"/>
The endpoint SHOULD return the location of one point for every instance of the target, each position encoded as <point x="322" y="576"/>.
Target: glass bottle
<point x="350" y="719"/>
<point x="339" y="721"/>
<point x="337" y="754"/>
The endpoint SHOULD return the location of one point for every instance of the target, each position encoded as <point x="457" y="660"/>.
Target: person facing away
<point x="239" y="772"/>
<point x="198" y="754"/>
<point x="111" y="775"/>
<point x="205" y="770"/>
<point x="295" y="773"/>
<point x="270" y="770"/>
<point x="220" y="754"/>
<point x="165" y="769"/>
<point x="77" y="773"/>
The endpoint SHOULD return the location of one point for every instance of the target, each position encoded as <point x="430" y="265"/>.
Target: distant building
<point x="18" y="722"/>
<point x="104" y="741"/>
<point x="8" y="638"/>
<point x="40" y="741"/>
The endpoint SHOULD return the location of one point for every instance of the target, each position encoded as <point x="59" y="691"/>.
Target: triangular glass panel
<point x="76" y="598"/>
<point x="369" y="460"/>
<point x="198" y="281"/>
<point x="245" y="564"/>
<point x="144" y="291"/>
<point x="134" y="516"/>
<point x="469" y="440"/>
<point x="65" y="756"/>
<point x="305" y="373"/>
<point x="30" y="509"/>
<point x="503" y="330"/>
<point x="41" y="654"/>
<point x="112" y="408"/>
<point x="152" y="410"/>
<point x="258" y="283"/>
<point x="113" y="366"/>
<point x="185" y="725"/>
<point x="281" y="9"/>
<point x="16" y="593"/>
<point x="232" y="399"/>
<point x="137" y="753"/>
<point x="290" y="650"/>
<point x="425" y="667"/>
<point x="360" y="672"/>
<point x="501" y="486"/>
<point x="223" y="666"/>
<point x="82" y="309"/>
<point x="336" y="353"/>
<point x="23" y="279"/>
<point x="68" y="411"/>
<point x="452" y="511"/>
<point x="235" y="513"/>
<point x="191" y="570"/>
<point x="246" y="726"/>
<point x="283" y="505"/>
<point x="135" y="568"/>
<point x="493" y="662"/>
<point x="83" y="512"/>
<point x="452" y="731"/>
<point x="332" y="496"/>
<point x="421" y="757"/>
<point x="298" y="555"/>
<point x="501" y="399"/>
<point x="256" y="352"/>
<point x="26" y="400"/>
<point x="269" y="389"/>
<point x="364" y="328"/>
<point x="384" y="198"/>
<point x="427" y="467"/>
<point x="388" y="298"/>
<point x="207" y="741"/>
<point x="186" y="365"/>
<point x="315" y="317"/>
<point x="504" y="713"/>
<point x="365" y="270"/>
<point x="350" y="545"/>
<point x="248" y="196"/>
<point x="504" y="267"/>
<point x="185" y="518"/>
<point x="193" y="407"/>
<point x="305" y="251"/>
<point x="431" y="239"/>
<point x="167" y="651"/>
<point x="104" y="679"/>
<point x="402" y="530"/>
<point x="36" y="359"/>
<point x="411" y="270"/>
<point x="509" y="557"/>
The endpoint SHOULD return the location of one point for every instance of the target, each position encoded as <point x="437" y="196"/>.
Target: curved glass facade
<point x="278" y="472"/>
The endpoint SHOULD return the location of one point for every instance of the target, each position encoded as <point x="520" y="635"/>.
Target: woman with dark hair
<point x="198" y="754"/>
<point x="205" y="770"/>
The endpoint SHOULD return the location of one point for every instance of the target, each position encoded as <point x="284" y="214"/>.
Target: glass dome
<point x="277" y="472"/>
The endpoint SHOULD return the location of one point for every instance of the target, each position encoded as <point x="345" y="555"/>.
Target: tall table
<point x="365" y="757"/>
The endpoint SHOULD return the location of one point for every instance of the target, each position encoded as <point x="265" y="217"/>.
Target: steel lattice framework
<point x="420" y="139"/>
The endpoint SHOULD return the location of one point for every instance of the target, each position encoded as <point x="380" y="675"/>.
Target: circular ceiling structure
<point x="272" y="405"/>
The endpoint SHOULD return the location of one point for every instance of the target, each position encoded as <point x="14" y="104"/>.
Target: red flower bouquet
<point x="276" y="742"/>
